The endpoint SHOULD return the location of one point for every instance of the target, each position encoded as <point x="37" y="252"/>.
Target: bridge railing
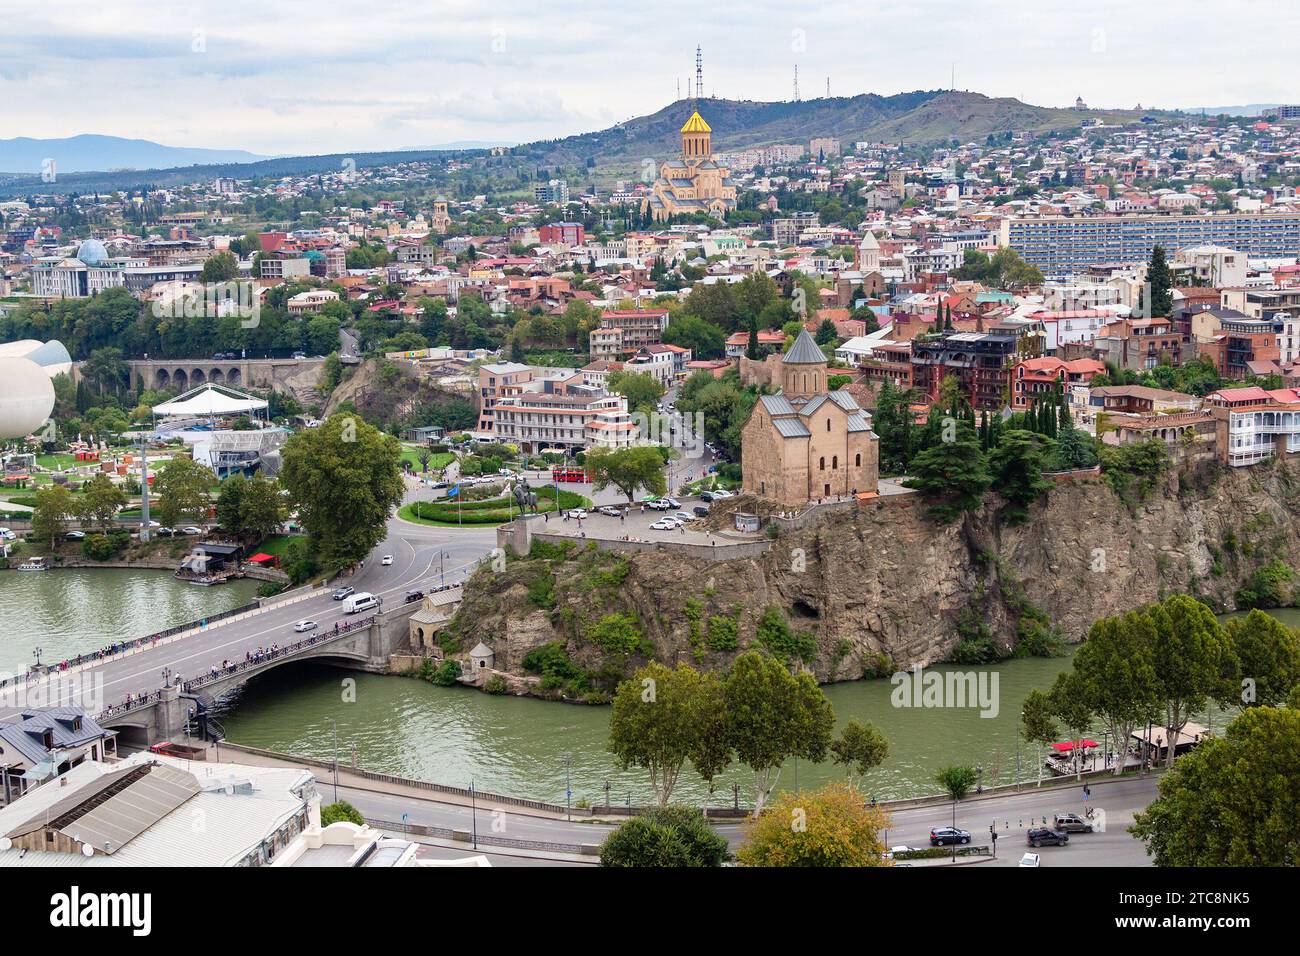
<point x="135" y="702"/>
<point x="119" y="648"/>
<point x="257" y="659"/>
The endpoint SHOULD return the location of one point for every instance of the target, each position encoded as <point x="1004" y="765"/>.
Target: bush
<point x="1269" y="586"/>
<point x="342" y="810"/>
<point x="776" y="637"/>
<point x="446" y="674"/>
<point x="102" y="547"/>
<point x="665" y="837"/>
<point x="496" y="684"/>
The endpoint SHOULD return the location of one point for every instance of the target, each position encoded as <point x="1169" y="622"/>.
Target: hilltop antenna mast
<point x="699" y="73"/>
<point x="828" y="87"/>
<point x="679" y="88"/>
<point x="796" y="82"/>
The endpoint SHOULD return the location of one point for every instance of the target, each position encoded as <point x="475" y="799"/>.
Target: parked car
<point x="701" y="511"/>
<point x="300" y="355"/>
<point x="578" y="513"/>
<point x="664" y="524"/>
<point x="708" y="496"/>
<point x="683" y="517"/>
<point x="673" y="502"/>
<point x="1029" y="859"/>
<point x="413" y="595"/>
<point x="304" y="626"/>
<point x="165" y="532"/>
<point x="659" y="504"/>
<point x="386" y="560"/>
<point x="190" y="529"/>
<point x="341" y="593"/>
<point x="75" y="535"/>
<point x="609" y="510"/>
<point x="1071" y="823"/>
<point x="943" y="835"/>
<point x="722" y="493"/>
<point x="1046" y="836"/>
<point x="7" y="534"/>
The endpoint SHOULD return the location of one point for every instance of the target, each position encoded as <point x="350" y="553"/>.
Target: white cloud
<point x="298" y="76"/>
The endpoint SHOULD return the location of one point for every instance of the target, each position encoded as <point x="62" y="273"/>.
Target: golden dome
<point x="696" y="124"/>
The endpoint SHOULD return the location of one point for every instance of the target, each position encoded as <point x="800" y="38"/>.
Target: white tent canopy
<point x="210" y="399"/>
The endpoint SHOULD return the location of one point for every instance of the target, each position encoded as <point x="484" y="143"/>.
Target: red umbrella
<point x="1066" y="747"/>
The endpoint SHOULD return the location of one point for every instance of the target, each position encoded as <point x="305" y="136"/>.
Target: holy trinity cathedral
<point x="693" y="183"/>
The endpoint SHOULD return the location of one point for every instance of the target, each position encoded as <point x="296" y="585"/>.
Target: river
<point x="69" y="612"/>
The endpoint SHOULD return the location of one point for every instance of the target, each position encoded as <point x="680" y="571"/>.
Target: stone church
<point x="807" y="443"/>
<point x="693" y="183"/>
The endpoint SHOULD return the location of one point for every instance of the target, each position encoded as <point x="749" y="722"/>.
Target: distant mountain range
<point x="89" y="151"/>
<point x="1249" y="109"/>
<point x="924" y="117"/>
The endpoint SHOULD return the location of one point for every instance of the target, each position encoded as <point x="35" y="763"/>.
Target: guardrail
<point x="463" y="836"/>
<point x="257" y="659"/>
<point x="121" y="648"/>
<point x="136" y="702"/>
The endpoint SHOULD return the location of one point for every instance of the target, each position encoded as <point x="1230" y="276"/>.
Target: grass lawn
<point x="56" y="462"/>
<point x="278" y="544"/>
<point x="491" y="511"/>
<point x="411" y="453"/>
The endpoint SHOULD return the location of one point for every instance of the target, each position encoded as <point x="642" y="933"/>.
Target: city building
<point x="539" y="421"/>
<point x="555" y="192"/>
<point x="624" y="332"/>
<point x="806" y="443"/>
<point x="693" y="183"/>
<point x="1064" y="244"/>
<point x="310" y="301"/>
<point x="1253" y="424"/>
<point x="982" y="362"/>
<point x="1039" y="378"/>
<point x="39" y="745"/>
<point x="562" y="234"/>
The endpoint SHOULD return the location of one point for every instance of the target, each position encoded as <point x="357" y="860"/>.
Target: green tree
<point x="1017" y="467"/>
<point x="54" y="505"/>
<point x="344" y="479"/>
<point x="704" y="339"/>
<point x="957" y="780"/>
<point x="1191" y="657"/>
<point x="665" y="836"/>
<point x="219" y="268"/>
<point x="341" y="811"/>
<point x="952" y="475"/>
<point x="181" y="486"/>
<point x="1268" y="653"/>
<point x="773" y="715"/>
<point x="1233" y="801"/>
<point x="229" y="501"/>
<point x="261" y="509"/>
<point x="1038" y="725"/>
<point x="1117" y="675"/>
<point x="859" y="748"/>
<point x="627" y="469"/>
<point x="1158" y="299"/>
<point x="1071" y="706"/>
<point x="641" y="390"/>
<point x="101" y="500"/>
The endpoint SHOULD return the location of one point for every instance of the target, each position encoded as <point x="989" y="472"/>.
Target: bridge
<point x="183" y="374"/>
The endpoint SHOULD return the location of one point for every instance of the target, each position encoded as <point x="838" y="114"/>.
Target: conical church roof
<point x="696" y="124"/>
<point x="805" y="351"/>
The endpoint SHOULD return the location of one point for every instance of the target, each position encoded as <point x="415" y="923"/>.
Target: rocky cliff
<point x="886" y="587"/>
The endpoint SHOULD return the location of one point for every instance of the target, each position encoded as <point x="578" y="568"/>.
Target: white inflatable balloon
<point x="26" y="397"/>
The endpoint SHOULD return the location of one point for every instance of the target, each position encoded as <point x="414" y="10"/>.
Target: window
<point x="828" y="424"/>
<point x="822" y="464"/>
<point x="857" y="460"/>
<point x="835" y="463"/>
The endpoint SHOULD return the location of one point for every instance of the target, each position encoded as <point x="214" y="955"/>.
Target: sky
<point x="297" y="77"/>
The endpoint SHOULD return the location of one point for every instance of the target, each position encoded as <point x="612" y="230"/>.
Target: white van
<point x="361" y="601"/>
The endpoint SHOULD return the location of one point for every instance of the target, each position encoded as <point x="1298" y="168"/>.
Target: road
<point x="423" y="557"/>
<point x="1012" y="811"/>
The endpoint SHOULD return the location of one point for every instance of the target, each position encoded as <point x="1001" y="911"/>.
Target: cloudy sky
<point x="319" y="76"/>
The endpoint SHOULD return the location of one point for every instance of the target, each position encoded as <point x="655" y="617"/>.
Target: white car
<point x="387" y="560"/>
<point x="659" y="504"/>
<point x="609" y="510"/>
<point x="192" y="530"/>
<point x="722" y="493"/>
<point x="7" y="534"/>
<point x="1029" y="859"/>
<point x="683" y="518"/>
<point x="664" y="524"/>
<point x="301" y="626"/>
<point x="578" y="513"/>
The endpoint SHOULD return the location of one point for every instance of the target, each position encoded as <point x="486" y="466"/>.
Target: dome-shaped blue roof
<point x="92" y="252"/>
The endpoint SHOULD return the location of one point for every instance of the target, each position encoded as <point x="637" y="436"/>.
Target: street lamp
<point x="335" y="724"/>
<point x="568" y="788"/>
<point x="37" y="652"/>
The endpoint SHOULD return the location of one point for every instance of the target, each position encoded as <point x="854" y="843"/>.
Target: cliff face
<point x="888" y="581"/>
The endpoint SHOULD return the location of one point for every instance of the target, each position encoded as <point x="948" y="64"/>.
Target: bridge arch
<point x="197" y="377"/>
<point x="162" y="378"/>
<point x="216" y="376"/>
<point x="233" y="377"/>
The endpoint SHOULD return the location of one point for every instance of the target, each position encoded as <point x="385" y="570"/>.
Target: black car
<point x="707" y="496"/>
<point x="701" y="511"/>
<point x="413" y="596"/>
<point x="942" y="835"/>
<point x="1046" y="836"/>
